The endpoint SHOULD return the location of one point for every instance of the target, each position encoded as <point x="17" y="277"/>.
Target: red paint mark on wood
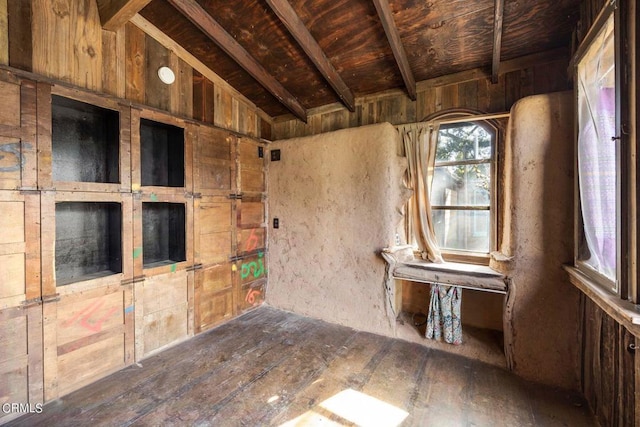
<point x="85" y="317"/>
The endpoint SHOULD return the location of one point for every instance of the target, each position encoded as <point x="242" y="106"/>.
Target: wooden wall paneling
<point x="35" y="353"/>
<point x="135" y="168"/>
<point x="181" y="92"/>
<point x="190" y="138"/>
<point x="450" y="97"/>
<point x="468" y="94"/>
<point x="626" y="380"/>
<point x="20" y="35"/>
<point x="214" y="162"/>
<point x="426" y="104"/>
<point x="551" y="77"/>
<point x="157" y="93"/>
<point x="4" y="33"/>
<point x="18" y="142"/>
<point x="265" y="129"/>
<point x="21" y="357"/>
<point x="86" y="44"/>
<point x="251" y="277"/>
<point x="609" y="378"/>
<point x="45" y="178"/>
<point x="67" y="41"/>
<point x="90" y="336"/>
<point x="215" y="228"/>
<point x="203" y="98"/>
<point x="251" y="166"/>
<point x="114" y="56"/>
<point x="50" y="352"/>
<point x="223" y="108"/>
<point x="135" y="71"/>
<point x="47" y="246"/>
<point x="33" y="287"/>
<point x="31" y="94"/>
<point x="13" y="251"/>
<point x="215" y="186"/>
<point x="214" y="296"/>
<point x="125" y="148"/>
<point x="161" y="311"/>
<point x="635" y="365"/>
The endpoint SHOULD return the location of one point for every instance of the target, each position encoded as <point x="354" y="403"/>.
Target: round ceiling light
<point x="166" y="75"/>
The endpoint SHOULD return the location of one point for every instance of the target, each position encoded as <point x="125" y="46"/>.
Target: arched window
<point x="462" y="188"/>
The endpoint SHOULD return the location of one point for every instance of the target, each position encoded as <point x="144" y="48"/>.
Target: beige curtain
<point x="419" y="143"/>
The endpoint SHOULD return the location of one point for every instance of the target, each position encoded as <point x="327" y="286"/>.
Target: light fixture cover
<point x="166" y="75"/>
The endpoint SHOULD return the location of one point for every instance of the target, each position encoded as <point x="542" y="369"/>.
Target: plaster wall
<point x="538" y="235"/>
<point x="336" y="196"/>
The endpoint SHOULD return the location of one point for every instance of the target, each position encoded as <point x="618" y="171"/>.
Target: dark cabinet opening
<point x="162" y="154"/>
<point x="163" y="233"/>
<point x="88" y="240"/>
<point x="85" y="142"/>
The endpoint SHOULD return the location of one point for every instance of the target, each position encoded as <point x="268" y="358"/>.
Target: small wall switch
<point x="260" y="152"/>
<point x="275" y="155"/>
<point x="276" y="223"/>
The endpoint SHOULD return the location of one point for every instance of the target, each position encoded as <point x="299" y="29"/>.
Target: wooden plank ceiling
<point x="292" y="55"/>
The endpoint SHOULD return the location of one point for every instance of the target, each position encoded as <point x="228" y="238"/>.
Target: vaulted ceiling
<point x="292" y="55"/>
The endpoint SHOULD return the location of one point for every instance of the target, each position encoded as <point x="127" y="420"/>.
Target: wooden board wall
<point x="21" y="356"/>
<point x="471" y="90"/>
<point x="610" y="367"/>
<point x="64" y="41"/>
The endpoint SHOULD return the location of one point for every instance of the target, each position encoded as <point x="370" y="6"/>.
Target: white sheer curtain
<point x="419" y="142"/>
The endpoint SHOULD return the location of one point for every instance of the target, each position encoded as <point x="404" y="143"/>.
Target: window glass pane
<point x="461" y="185"/>
<point x="463" y="141"/>
<point x="597" y="154"/>
<point x="463" y="230"/>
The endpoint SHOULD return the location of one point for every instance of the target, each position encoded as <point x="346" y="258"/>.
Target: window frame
<point x="625" y="165"/>
<point x="487" y="122"/>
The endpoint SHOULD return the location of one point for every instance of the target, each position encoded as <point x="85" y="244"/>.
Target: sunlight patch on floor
<point x="354" y="407"/>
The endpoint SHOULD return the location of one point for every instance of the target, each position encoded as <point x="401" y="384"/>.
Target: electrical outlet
<point x="275" y="155"/>
<point x="276" y="223"/>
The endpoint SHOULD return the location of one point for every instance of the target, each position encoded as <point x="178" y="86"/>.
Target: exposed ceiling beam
<point x="115" y="13"/>
<point x="390" y="29"/>
<point x="209" y="26"/>
<point x="497" y="39"/>
<point x="299" y="31"/>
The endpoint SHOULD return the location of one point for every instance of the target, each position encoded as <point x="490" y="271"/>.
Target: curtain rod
<point x="460" y="119"/>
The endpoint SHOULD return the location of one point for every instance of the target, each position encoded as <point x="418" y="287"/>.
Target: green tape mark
<point x="154" y="198"/>
<point x="137" y="252"/>
<point x="173" y="268"/>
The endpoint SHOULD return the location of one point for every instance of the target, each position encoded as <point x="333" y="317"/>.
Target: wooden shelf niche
<point x="84" y="142"/>
<point x="162" y="154"/>
<point x="88" y="240"/>
<point x="89" y="144"/>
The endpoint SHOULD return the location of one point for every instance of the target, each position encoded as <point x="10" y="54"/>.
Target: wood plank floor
<point x="271" y="367"/>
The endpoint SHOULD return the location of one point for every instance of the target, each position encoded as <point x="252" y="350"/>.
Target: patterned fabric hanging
<point x="444" y="314"/>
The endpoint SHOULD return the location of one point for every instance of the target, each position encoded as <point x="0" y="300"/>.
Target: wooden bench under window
<point x="403" y="265"/>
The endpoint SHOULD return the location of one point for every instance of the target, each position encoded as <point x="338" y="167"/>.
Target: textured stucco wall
<point x="336" y="196"/>
<point x="539" y="237"/>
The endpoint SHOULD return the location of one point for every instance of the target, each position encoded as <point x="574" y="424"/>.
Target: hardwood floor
<point x="271" y="367"/>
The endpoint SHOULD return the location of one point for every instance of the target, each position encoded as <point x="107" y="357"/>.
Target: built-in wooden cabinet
<point x="129" y="230"/>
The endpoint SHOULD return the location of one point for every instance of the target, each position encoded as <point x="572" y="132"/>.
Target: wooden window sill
<point x="622" y="311"/>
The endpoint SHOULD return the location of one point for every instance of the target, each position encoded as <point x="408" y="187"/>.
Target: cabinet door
<point x="215" y="186"/>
